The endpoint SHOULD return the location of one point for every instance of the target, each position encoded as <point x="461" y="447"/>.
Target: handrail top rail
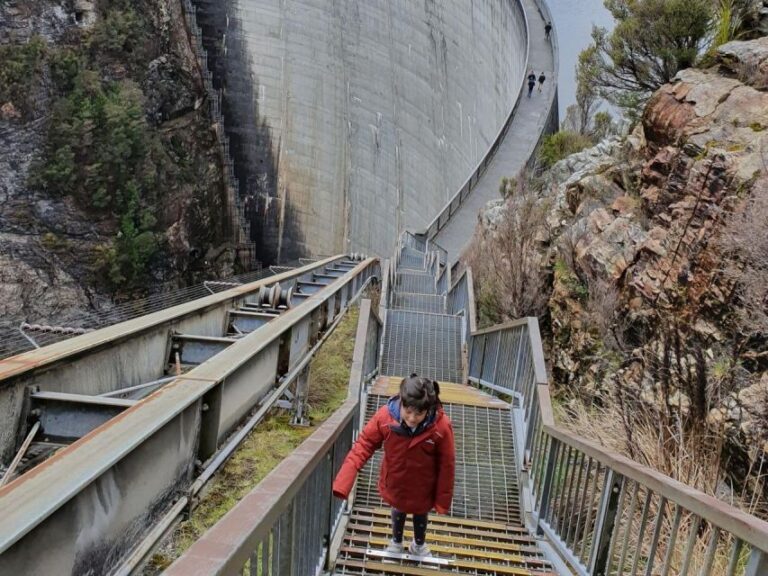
<point x="744" y="526"/>
<point x="432" y="243"/>
<point x="501" y="327"/>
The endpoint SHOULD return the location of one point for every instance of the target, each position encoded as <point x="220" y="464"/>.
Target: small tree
<point x="603" y="126"/>
<point x="587" y="96"/>
<point x="507" y="259"/>
<point x="652" y="41"/>
<point x="561" y="144"/>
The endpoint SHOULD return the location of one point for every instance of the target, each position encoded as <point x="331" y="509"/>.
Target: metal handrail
<point x="509" y="358"/>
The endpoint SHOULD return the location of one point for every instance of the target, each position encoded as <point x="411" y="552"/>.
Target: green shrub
<point x="96" y="144"/>
<point x="101" y="151"/>
<point x="20" y="68"/>
<point x="121" y="35"/>
<point x="65" y="66"/>
<point x="561" y="144"/>
<point x="125" y="262"/>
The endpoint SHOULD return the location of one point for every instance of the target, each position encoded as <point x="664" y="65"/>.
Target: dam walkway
<point x="453" y="228"/>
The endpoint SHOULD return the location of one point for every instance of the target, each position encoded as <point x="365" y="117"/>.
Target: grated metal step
<point x="486" y="486"/>
<point x="411" y="258"/>
<point x="415" y="283"/>
<point x="427" y="344"/>
<point x="419" y="302"/>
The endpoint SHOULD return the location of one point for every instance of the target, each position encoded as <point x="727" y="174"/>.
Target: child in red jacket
<point x="419" y="461"/>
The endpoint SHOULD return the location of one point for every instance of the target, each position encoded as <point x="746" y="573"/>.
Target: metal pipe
<point x="114" y="393"/>
<point x="571" y="496"/>
<point x="20" y="454"/>
<point x="734" y="559"/>
<point x="655" y="537"/>
<point x="29" y="338"/>
<point x="137" y="555"/>
<point x="628" y="528"/>
<point x="641" y="534"/>
<point x="572" y="532"/>
<point x="694" y="530"/>
<point x="711" y="549"/>
<point x="672" y="540"/>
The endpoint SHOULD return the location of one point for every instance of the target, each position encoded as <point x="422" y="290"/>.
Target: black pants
<point x="419" y="526"/>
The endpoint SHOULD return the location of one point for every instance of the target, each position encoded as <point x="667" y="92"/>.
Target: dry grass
<point x="744" y="245"/>
<point x="269" y="443"/>
<point x="691" y="458"/>
<point x="508" y="260"/>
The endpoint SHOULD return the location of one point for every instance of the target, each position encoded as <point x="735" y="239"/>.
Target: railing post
<point x="605" y="522"/>
<point x="496" y="359"/>
<point x="286" y="529"/>
<point x="482" y="358"/>
<point x="758" y="563"/>
<point x="523" y="334"/>
<point x="546" y="486"/>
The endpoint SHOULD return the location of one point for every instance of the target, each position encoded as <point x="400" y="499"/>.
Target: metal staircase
<point x="530" y="497"/>
<point x="483" y="533"/>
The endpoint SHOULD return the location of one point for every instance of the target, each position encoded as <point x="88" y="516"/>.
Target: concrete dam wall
<point x="351" y="120"/>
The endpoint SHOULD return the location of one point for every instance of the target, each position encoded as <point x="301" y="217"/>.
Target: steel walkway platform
<point x="483" y="532"/>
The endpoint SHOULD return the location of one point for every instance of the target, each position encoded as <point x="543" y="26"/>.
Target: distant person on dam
<point x="531" y="82"/>
<point x="419" y="463"/>
<point x="541" y="80"/>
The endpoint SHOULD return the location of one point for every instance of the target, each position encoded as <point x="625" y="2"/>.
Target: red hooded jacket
<point x="418" y="468"/>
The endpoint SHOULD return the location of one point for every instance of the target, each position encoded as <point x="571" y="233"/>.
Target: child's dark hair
<point x="419" y="393"/>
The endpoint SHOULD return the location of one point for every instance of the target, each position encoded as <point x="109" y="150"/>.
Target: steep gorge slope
<point x="110" y="177"/>
<point x="654" y="257"/>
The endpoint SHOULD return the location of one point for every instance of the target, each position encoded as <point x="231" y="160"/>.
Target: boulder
<point x="169" y="90"/>
<point x="748" y="60"/>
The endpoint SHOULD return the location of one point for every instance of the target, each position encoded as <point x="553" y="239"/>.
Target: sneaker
<point x="419" y="549"/>
<point x="394" y="547"/>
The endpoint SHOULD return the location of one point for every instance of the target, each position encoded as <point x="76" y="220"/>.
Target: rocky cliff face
<point x="62" y="252"/>
<point x="656" y="252"/>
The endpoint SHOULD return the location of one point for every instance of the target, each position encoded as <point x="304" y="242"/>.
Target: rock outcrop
<point x="646" y="238"/>
<point x="52" y="245"/>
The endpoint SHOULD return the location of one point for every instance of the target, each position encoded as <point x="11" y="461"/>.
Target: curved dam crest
<point x="350" y="120"/>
